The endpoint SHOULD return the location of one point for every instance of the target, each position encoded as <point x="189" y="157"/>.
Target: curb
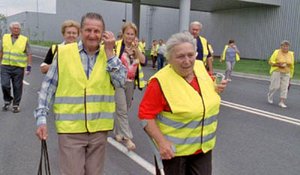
<point x="257" y="77"/>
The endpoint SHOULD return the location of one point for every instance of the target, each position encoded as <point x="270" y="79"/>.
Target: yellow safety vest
<point x="205" y="49"/>
<point x="82" y="105"/>
<point x="272" y="60"/>
<point x="139" y="79"/>
<point x="237" y="56"/>
<point x="14" y="54"/>
<point x="191" y="124"/>
<point x="142" y="47"/>
<point x="54" y="48"/>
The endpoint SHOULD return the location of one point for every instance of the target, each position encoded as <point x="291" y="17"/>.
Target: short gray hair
<point x="285" y="42"/>
<point x="92" y="15"/>
<point x="196" y="23"/>
<point x="179" y="38"/>
<point x="14" y="23"/>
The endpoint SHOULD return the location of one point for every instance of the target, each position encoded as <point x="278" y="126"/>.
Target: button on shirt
<point x="114" y="67"/>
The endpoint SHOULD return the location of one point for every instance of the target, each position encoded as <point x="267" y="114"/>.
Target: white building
<point x="257" y="26"/>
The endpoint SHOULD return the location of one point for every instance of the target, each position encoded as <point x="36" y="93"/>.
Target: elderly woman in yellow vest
<point x="230" y="54"/>
<point x="282" y="69"/>
<point x="180" y="108"/>
<point x="70" y="30"/>
<point x="132" y="58"/>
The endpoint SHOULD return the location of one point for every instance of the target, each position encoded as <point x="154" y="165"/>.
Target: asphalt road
<point x="254" y="137"/>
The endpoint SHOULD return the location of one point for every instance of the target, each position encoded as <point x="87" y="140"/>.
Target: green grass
<point x="259" y="67"/>
<point x="42" y="43"/>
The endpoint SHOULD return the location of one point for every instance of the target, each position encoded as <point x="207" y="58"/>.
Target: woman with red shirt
<point x="179" y="108"/>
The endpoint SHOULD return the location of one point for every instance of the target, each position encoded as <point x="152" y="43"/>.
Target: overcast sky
<point x="11" y="7"/>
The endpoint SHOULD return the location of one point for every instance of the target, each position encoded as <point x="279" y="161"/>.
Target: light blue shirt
<point x="230" y="54"/>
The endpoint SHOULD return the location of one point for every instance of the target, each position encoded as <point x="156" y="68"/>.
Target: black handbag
<point x="44" y="160"/>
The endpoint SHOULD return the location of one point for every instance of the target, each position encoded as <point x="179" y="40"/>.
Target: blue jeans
<point x="160" y="61"/>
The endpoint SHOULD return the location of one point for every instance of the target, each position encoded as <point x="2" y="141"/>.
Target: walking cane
<point x="157" y="157"/>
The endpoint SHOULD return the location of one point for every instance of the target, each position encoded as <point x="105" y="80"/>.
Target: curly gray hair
<point x="179" y="38"/>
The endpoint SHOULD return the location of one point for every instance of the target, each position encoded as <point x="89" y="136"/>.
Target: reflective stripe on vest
<point x="140" y="82"/>
<point x="193" y="124"/>
<point x="82" y="105"/>
<point x="184" y="125"/>
<point x="80" y="100"/>
<point x="94" y="116"/>
<point x="13" y="54"/>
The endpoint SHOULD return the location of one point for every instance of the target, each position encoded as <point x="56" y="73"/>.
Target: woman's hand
<point x="166" y="149"/>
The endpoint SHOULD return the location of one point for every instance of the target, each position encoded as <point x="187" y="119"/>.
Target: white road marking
<point x="138" y="159"/>
<point x="26" y="83"/>
<point x="38" y="56"/>
<point x="151" y="168"/>
<point x="262" y="113"/>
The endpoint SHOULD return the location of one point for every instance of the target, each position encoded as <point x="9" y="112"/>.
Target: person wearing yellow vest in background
<point x="203" y="52"/>
<point x="132" y="58"/>
<point x="70" y="31"/>
<point x="83" y="97"/>
<point x="15" y="56"/>
<point x="180" y="108"/>
<point x="230" y="54"/>
<point x="153" y="53"/>
<point x="142" y="45"/>
<point x="282" y="70"/>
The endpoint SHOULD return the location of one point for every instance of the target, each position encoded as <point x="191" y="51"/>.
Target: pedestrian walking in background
<point x="128" y="51"/>
<point x="142" y="46"/>
<point x="16" y="58"/>
<point x="179" y="115"/>
<point x="230" y="54"/>
<point x="203" y="52"/>
<point x="70" y="30"/>
<point x="83" y="97"/>
<point x="282" y="69"/>
<point x="153" y="53"/>
<point x="160" y="54"/>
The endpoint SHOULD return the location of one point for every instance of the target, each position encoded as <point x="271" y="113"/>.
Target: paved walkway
<point x="255" y="76"/>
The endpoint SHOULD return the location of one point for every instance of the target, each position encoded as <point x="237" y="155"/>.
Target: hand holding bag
<point x="44" y="160"/>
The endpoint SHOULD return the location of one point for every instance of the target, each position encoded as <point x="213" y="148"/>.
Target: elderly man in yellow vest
<point x="83" y="97"/>
<point x="15" y="56"/>
<point x="203" y="51"/>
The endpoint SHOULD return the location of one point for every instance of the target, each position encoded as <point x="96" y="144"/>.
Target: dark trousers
<point x="13" y="75"/>
<point x="160" y="61"/>
<point x="154" y="58"/>
<point x="199" y="164"/>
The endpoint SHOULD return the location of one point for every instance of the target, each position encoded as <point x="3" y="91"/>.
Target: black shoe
<point x="5" y="107"/>
<point x="16" y="109"/>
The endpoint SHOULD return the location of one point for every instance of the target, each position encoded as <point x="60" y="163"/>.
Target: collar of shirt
<point x="82" y="49"/>
<point x="12" y="36"/>
<point x="88" y="61"/>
